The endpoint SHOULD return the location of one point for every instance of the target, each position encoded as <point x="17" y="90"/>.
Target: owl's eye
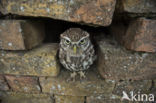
<point x="67" y="42"/>
<point x="82" y="41"/>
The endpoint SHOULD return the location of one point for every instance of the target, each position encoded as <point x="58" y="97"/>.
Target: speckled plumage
<point x="85" y="54"/>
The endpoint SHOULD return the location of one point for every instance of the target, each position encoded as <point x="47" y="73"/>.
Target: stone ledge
<point x="89" y="86"/>
<point x="117" y="63"/>
<point x="98" y="12"/>
<point x="40" y="61"/>
<point x="20" y="34"/>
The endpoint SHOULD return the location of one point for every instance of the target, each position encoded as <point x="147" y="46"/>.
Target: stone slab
<point x="40" y="61"/>
<point x="20" y="34"/>
<point x="97" y="12"/>
<point x="141" y="35"/>
<point x="116" y="63"/>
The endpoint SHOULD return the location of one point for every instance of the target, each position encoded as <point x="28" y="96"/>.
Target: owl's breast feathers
<point x="77" y="63"/>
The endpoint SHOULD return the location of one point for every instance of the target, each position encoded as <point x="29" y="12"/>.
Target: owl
<point x="76" y="52"/>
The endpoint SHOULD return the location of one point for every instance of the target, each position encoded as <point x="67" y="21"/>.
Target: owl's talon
<point x="72" y="76"/>
<point x="82" y="75"/>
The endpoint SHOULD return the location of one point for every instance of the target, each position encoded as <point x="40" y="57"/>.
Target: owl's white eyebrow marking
<point x="66" y="38"/>
<point x="83" y="38"/>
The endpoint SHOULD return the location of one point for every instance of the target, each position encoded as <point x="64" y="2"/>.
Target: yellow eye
<point x="67" y="42"/>
<point x="82" y="41"/>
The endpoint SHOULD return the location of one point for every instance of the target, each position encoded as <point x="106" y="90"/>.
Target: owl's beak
<point x="75" y="49"/>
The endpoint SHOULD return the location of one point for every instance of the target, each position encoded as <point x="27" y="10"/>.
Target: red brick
<point x="20" y="34"/>
<point x="23" y="84"/>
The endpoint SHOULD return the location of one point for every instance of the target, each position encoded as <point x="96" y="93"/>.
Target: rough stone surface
<point x="98" y="12"/>
<point x="23" y="84"/>
<point x="103" y="99"/>
<point x="41" y="61"/>
<point x="20" y="34"/>
<point x="89" y="86"/>
<point x="12" y="97"/>
<point x="69" y="99"/>
<point x="3" y="84"/>
<point x="141" y="35"/>
<point x="138" y="87"/>
<point x="114" y="62"/>
<point x="137" y="6"/>
<point x="142" y="86"/>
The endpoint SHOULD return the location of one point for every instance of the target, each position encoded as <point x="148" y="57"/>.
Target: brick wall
<point x="124" y="32"/>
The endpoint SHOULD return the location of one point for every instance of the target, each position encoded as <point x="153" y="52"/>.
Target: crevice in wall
<point x="152" y="85"/>
<point x="53" y="98"/>
<point x="7" y="83"/>
<point x="38" y="82"/>
<point x="85" y="99"/>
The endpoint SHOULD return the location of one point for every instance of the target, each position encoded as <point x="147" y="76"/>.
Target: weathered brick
<point x="40" y="61"/>
<point x="91" y="85"/>
<point x="20" y="34"/>
<point x="3" y="84"/>
<point x="12" y="97"/>
<point x="141" y="35"/>
<point x="97" y="12"/>
<point x="23" y="84"/>
<point x="69" y="99"/>
<point x="115" y="62"/>
<point x="137" y="6"/>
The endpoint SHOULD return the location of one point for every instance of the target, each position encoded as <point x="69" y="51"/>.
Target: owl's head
<point x="75" y="41"/>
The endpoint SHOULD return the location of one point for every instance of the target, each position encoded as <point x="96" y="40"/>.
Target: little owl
<point x="76" y="51"/>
